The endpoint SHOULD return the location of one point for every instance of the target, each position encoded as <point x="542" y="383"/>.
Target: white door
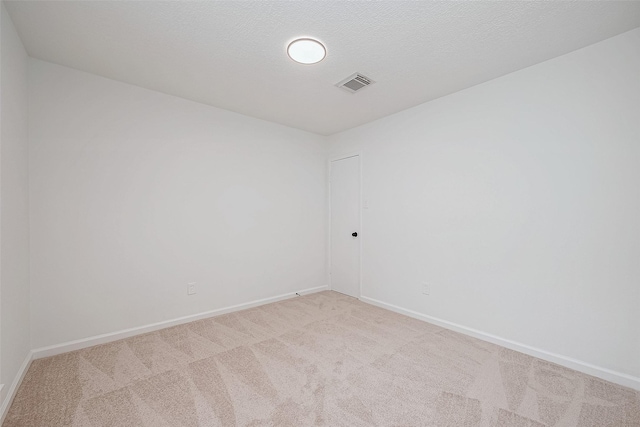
<point x="345" y="226"/>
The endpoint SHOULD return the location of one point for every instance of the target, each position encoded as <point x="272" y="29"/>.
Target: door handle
<point x="354" y="234"/>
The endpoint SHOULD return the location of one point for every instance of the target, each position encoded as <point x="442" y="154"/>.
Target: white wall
<point x="14" y="205"/>
<point x="136" y="193"/>
<point x="518" y="200"/>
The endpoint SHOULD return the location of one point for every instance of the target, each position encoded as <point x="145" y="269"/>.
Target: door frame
<point x="330" y="160"/>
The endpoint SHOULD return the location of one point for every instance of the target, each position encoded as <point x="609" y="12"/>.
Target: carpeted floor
<point x="321" y="359"/>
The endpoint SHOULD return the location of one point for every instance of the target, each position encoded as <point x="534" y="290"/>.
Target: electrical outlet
<point x="191" y="288"/>
<point x="426" y="288"/>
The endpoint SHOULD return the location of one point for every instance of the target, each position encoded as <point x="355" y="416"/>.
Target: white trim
<point x="578" y="365"/>
<point x="344" y="156"/>
<point x="53" y="350"/>
<point x="361" y="231"/>
<point x="11" y="393"/>
<point x="330" y="160"/>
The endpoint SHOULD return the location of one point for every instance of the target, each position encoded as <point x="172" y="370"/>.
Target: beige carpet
<point x="322" y="359"/>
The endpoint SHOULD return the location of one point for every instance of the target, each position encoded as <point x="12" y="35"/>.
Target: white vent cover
<point x="355" y="82"/>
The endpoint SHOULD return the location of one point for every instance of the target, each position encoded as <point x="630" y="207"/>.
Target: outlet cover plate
<point x="191" y="288"/>
<point x="426" y="288"/>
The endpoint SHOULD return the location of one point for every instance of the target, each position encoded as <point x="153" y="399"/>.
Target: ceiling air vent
<point x="355" y="83"/>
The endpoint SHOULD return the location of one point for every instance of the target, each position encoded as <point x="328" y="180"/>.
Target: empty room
<point x="319" y="213"/>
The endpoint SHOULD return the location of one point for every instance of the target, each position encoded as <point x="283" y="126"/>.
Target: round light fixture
<point x="306" y="51"/>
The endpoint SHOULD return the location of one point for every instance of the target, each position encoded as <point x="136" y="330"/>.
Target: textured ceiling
<point x="232" y="54"/>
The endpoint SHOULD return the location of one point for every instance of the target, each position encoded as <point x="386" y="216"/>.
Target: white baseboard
<point x="578" y="365"/>
<point x="11" y="393"/>
<point x="53" y="350"/>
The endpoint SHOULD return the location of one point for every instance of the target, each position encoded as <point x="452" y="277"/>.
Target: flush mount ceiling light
<point x="306" y="51"/>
